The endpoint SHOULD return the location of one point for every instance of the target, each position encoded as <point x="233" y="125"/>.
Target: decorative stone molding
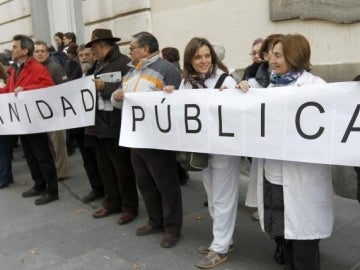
<point x="344" y="11"/>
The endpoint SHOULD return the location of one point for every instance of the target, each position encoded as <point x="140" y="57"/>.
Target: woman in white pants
<point x="221" y="179"/>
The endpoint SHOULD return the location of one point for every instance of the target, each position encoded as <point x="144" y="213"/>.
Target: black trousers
<point x="157" y="178"/>
<point x="117" y="174"/>
<point x="298" y="254"/>
<point x="6" y="176"/>
<point x="86" y="145"/>
<point x="40" y="162"/>
<point x="302" y="255"/>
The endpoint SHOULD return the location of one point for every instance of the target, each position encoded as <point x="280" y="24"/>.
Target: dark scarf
<point x="263" y="74"/>
<point x="285" y="78"/>
<point x="198" y="80"/>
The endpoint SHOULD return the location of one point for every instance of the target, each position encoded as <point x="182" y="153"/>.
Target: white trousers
<point x="221" y="181"/>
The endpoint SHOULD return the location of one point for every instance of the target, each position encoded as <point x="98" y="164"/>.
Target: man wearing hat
<point x="113" y="160"/>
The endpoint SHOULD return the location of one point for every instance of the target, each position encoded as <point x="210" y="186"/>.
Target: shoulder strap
<point x="221" y="80"/>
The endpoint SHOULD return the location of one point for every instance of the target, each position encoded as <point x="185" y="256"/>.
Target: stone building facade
<point x="233" y="23"/>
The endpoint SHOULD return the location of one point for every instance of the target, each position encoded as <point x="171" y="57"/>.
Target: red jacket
<point x="32" y="76"/>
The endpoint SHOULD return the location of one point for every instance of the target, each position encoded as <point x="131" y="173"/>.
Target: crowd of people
<point x="294" y="199"/>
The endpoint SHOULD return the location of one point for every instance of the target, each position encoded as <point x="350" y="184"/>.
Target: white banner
<point x="64" y="106"/>
<point x="318" y="124"/>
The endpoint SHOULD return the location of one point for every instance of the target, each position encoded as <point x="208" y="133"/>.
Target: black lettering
<point x="221" y="133"/>
<point x="13" y="111"/>
<point x="351" y="127"/>
<point x="69" y="107"/>
<point x="27" y="113"/>
<point x="87" y="107"/>
<point x="297" y="121"/>
<point x="193" y="118"/>
<point x="262" y="123"/>
<point x="140" y="118"/>
<point x="158" y="122"/>
<point x="50" y="112"/>
<point x="2" y="122"/>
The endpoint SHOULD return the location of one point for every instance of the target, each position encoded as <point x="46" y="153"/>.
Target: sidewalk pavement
<point x="63" y="234"/>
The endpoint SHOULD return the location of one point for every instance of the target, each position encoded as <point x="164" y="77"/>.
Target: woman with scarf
<point x="295" y="199"/>
<point x="221" y="179"/>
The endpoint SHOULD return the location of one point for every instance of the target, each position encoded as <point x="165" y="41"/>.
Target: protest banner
<point x="64" y="106"/>
<point x="318" y="124"/>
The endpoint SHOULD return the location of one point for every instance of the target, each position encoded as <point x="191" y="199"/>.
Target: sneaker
<point x="211" y="260"/>
<point x="255" y="215"/>
<point x="206" y="249"/>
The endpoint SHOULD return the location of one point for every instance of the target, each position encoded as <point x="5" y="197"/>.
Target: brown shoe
<point x="126" y="218"/>
<point x="146" y="230"/>
<point x="169" y="240"/>
<point x="63" y="178"/>
<point x="103" y="212"/>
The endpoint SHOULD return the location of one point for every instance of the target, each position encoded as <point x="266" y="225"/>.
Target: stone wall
<point x="124" y="20"/>
<point x="15" y="19"/>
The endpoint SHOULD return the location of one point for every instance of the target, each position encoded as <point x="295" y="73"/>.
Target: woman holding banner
<point x="202" y="69"/>
<point x="295" y="198"/>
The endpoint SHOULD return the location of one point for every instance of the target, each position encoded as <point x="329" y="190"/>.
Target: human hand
<point x="99" y="84"/>
<point x="169" y="88"/>
<point x="243" y="86"/>
<point x="119" y="95"/>
<point x="17" y="90"/>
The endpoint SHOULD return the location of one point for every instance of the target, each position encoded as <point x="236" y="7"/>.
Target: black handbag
<point x="193" y="161"/>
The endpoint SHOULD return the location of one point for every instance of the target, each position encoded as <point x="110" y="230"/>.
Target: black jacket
<point x="107" y="123"/>
<point x="56" y="71"/>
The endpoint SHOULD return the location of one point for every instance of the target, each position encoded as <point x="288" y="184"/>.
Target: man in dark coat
<point x="86" y="142"/>
<point x="114" y="161"/>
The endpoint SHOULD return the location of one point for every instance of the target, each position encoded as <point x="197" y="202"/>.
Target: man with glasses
<point x="155" y="170"/>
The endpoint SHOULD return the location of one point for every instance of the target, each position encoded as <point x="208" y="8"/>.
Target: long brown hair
<point x="189" y="53"/>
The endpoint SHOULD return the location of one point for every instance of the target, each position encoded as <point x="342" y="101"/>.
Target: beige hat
<point x="100" y="35"/>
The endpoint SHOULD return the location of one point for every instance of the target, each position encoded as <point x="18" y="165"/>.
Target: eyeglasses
<point x="133" y="48"/>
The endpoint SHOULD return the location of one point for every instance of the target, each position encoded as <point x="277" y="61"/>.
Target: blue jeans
<point x="6" y="176"/>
